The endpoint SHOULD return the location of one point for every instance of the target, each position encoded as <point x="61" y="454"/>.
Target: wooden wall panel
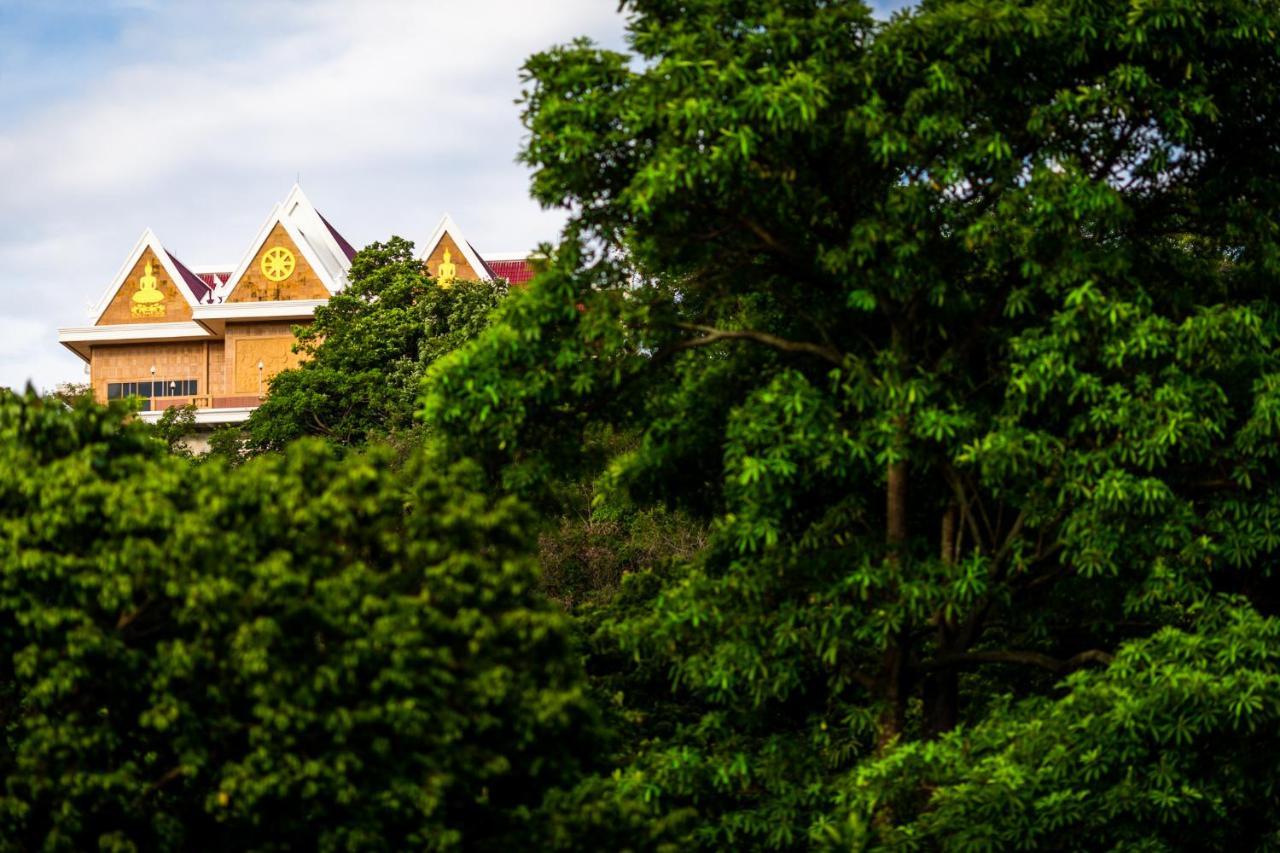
<point x="133" y="363"/>
<point x="257" y="360"/>
<point x="225" y="368"/>
<point x="217" y="369"/>
<point x="172" y="307"/>
<point x="250" y="343"/>
<point x="302" y="283"/>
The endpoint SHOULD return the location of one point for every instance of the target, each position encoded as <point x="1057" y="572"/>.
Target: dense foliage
<point x="897" y="423"/>
<point x="304" y="651"/>
<point x="1171" y="747"/>
<point x="365" y="353"/>
<point x="959" y="332"/>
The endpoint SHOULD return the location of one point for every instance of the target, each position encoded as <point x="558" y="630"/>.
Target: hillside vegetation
<point x="886" y="456"/>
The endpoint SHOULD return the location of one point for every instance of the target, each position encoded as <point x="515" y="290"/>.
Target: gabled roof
<point x="213" y="276"/>
<point x="513" y="266"/>
<point x="199" y="288"/>
<point x="347" y="248"/>
<point x="319" y="242"/>
<point x="180" y="275"/>
<point x="448" y="226"/>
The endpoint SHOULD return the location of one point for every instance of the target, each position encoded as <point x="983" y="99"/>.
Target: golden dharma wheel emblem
<point x="277" y="263"/>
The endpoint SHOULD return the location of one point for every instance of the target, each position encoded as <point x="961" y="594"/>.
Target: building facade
<point x="214" y="337"/>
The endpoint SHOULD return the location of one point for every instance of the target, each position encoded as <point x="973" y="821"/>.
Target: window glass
<point x="153" y="388"/>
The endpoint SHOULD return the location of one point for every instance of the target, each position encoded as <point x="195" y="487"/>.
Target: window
<point x="150" y="390"/>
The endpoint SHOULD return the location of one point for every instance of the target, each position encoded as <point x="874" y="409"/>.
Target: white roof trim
<point x="133" y="331"/>
<point x="448" y="226"/>
<point x="78" y="339"/>
<point x="299" y="210"/>
<point x="509" y="256"/>
<point x="285" y="309"/>
<point x="302" y="212"/>
<point x="148" y="240"/>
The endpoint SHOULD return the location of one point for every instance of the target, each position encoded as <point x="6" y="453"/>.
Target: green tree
<point x="303" y="652"/>
<point x="959" y="331"/>
<point x="1171" y="748"/>
<point x="367" y="349"/>
<point x="174" y="427"/>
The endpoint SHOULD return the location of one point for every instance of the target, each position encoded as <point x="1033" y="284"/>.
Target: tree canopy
<point x="899" y="415"/>
<point x="365" y="353"/>
<point x="958" y="330"/>
<point x="306" y="650"/>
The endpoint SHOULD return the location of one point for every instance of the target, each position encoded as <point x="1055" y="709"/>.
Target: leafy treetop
<point x="959" y="330"/>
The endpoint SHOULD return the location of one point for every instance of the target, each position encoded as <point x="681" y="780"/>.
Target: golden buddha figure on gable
<point x="148" y="301"/>
<point x="447" y="272"/>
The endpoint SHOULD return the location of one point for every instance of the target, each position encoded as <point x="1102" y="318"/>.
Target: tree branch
<point x="168" y="777"/>
<point x="1043" y="661"/>
<point x="965" y="502"/>
<point x="713" y="335"/>
<point x="127" y="618"/>
<point x="1014" y="531"/>
<point x="768" y="239"/>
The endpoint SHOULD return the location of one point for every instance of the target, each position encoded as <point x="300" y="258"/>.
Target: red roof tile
<point x="516" y="272"/>
<point x="213" y="279"/>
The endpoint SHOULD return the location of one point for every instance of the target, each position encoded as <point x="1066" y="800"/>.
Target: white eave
<point x="79" y="339"/>
<point x="215" y="317"/>
<point x="207" y="417"/>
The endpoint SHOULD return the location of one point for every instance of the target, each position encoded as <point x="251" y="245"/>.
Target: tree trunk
<point x="942" y="688"/>
<point x="893" y="670"/>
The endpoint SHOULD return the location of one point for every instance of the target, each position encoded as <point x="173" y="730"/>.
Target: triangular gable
<point x="295" y="256"/>
<point x="323" y="240"/>
<point x="448" y="238"/>
<point x="149" y="288"/>
<point x="278" y="271"/>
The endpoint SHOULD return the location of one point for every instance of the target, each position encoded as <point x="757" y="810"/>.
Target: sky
<point x="194" y="118"/>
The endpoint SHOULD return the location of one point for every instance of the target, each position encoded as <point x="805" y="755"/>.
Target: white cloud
<point x="195" y="118"/>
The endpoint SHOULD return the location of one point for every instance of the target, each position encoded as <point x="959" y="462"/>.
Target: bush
<point x="301" y="651"/>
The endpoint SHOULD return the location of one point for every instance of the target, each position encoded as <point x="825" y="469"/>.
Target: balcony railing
<point x="206" y="401"/>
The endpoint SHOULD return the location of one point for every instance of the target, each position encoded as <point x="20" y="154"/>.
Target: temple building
<point x="174" y="335"/>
